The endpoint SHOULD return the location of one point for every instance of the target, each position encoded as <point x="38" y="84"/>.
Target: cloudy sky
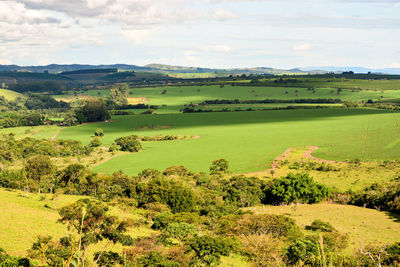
<point x="205" y="33"/>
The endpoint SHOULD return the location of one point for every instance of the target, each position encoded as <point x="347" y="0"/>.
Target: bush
<point x="208" y="250"/>
<point x="319" y="225"/>
<point x="278" y="226"/>
<point x="9" y="261"/>
<point x="219" y="166"/>
<point x="244" y="191"/>
<point x="295" y="188"/>
<point x="379" y="196"/>
<point x="129" y="143"/>
<point x="99" y="132"/>
<point x="175" y="194"/>
<point x="95" y="142"/>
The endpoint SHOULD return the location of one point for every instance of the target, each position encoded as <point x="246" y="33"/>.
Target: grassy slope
<point x="343" y="175"/>
<point x="23" y="218"/>
<point x="363" y="225"/>
<point x="10" y="95"/>
<point x="249" y="140"/>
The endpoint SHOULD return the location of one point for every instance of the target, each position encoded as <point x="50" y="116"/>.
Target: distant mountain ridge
<point x="56" y="68"/>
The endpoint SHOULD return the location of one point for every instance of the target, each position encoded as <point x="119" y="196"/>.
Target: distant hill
<point x="354" y="69"/>
<point x="55" y="68"/>
<point x="169" y="69"/>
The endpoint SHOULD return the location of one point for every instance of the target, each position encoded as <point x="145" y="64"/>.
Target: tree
<point x="208" y="250"/>
<point x="219" y="166"/>
<point x="99" y="132"/>
<point x="119" y="94"/>
<point x="92" y="111"/>
<point x="296" y="188"/>
<point x="180" y="231"/>
<point x="90" y="220"/>
<point x="244" y="191"/>
<point x="38" y="168"/>
<point x="264" y="250"/>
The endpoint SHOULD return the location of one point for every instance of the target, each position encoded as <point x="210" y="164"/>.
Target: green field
<point x="177" y="96"/>
<point x="249" y="140"/>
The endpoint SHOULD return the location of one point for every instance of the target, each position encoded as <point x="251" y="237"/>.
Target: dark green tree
<point x="208" y="249"/>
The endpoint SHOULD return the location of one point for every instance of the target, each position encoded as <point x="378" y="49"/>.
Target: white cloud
<point x="190" y="55"/>
<point x="218" y="48"/>
<point x="301" y="47"/>
<point x="395" y="65"/>
<point x="223" y="14"/>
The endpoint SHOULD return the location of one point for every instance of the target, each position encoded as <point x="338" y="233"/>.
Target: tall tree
<point x="119" y="94"/>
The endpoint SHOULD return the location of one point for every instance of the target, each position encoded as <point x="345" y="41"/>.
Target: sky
<point x="204" y="33"/>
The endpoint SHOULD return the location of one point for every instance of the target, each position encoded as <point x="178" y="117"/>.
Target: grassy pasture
<point x="341" y="175"/>
<point x="10" y="95"/>
<point x="366" y="226"/>
<point x="176" y="97"/>
<point x="344" y="83"/>
<point x="249" y="140"/>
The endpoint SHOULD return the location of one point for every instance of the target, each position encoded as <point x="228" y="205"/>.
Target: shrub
<point x="95" y="142"/>
<point x="129" y="143"/>
<point x="208" y="250"/>
<point x="244" y="191"/>
<point x="219" y="166"/>
<point x="99" y="132"/>
<point x="156" y="259"/>
<point x="379" y="196"/>
<point x="319" y="225"/>
<point x="278" y="226"/>
<point x="175" y="194"/>
<point x="296" y="188"/>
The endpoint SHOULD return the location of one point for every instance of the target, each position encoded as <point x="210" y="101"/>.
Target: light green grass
<point x="366" y="226"/>
<point x="23" y="218"/>
<point x="10" y="95"/>
<point x="249" y="140"/>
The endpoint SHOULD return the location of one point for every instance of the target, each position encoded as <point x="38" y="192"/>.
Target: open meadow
<point x="248" y="140"/>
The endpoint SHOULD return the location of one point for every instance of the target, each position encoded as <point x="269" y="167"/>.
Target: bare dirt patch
<point x="308" y="154"/>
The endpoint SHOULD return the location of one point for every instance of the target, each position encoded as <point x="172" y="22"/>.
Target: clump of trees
<point x="92" y="111"/>
<point x="384" y="196"/>
<point x="129" y="143"/>
<point x="295" y="188"/>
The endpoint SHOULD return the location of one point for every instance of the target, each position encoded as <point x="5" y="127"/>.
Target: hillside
<point x="10" y="95"/>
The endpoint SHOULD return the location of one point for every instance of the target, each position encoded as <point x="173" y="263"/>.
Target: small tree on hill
<point x="99" y="132"/>
<point x="89" y="219"/>
<point x="119" y="94"/>
<point x="39" y="168"/>
<point x="219" y="166"/>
